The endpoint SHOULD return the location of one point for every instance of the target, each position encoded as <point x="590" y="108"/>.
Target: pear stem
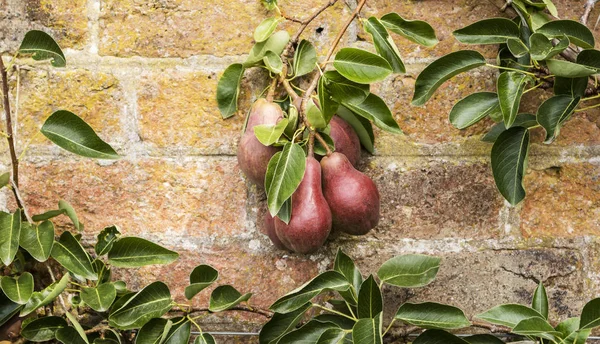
<point x="323" y="143"/>
<point x="311" y="144"/>
<point x="272" y="87"/>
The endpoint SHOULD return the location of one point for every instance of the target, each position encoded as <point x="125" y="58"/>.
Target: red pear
<point x="351" y="195"/>
<point x="253" y="156"/>
<point x="345" y="138"/>
<point x="270" y="231"/>
<point x="310" y="223"/>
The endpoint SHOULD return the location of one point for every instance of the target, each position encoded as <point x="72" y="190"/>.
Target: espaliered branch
<point x="285" y="138"/>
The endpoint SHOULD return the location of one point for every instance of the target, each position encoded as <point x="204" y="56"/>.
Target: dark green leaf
<point x="590" y="58"/>
<point x="488" y="31"/>
<point x="320" y="149"/>
<point x="509" y="157"/>
<point x="432" y="315"/>
<point x="329" y="280"/>
<point x="43" y="329"/>
<point x="524" y="120"/>
<point x="69" y="335"/>
<point x="574" y="87"/>
<point x="154" y="331"/>
<point x="370" y="302"/>
<point x="568" y="69"/>
<point x="344" y="90"/>
<point x="280" y="324"/>
<point x="10" y="231"/>
<point x="44" y="297"/>
<point x="590" y="315"/>
<point x="42" y="47"/>
<point x="483" y="339"/>
<point x="517" y="47"/>
<point x="73" y="134"/>
<point x="368" y="331"/>
<point x="537" y="327"/>
<point x="540" y="300"/>
<point x="70" y="212"/>
<point x="151" y="302"/>
<point x="99" y="298"/>
<point x="376" y="110"/>
<point x="133" y="252"/>
<point x="441" y="70"/>
<point x="554" y="112"/>
<point x="273" y="62"/>
<point x="409" y="271"/>
<point x="228" y="89"/>
<point x="361" y="126"/>
<point x="361" y="66"/>
<point x="309" y="333"/>
<point x="578" y="33"/>
<point x="305" y="58"/>
<point x="77" y="327"/>
<point x="384" y="44"/>
<point x="287" y="175"/>
<point x="265" y="29"/>
<point x="106" y="239"/>
<point x="542" y="48"/>
<point x="328" y="105"/>
<point x="205" y="338"/>
<point x="18" y="289"/>
<point x="180" y="332"/>
<point x="225" y="297"/>
<point x="201" y="277"/>
<point x="37" y="240"/>
<point x="438" y="337"/>
<point x="474" y="108"/>
<point x="509" y="314"/>
<point x="47" y="215"/>
<point x="510" y="90"/>
<point x="417" y="31"/>
<point x="332" y="336"/>
<point x="345" y="265"/>
<point x="103" y="272"/>
<point x="69" y="253"/>
<point x="276" y="43"/>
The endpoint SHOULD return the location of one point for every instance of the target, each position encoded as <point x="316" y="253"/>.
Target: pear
<point x="345" y="138"/>
<point x="351" y="195"/>
<point x="269" y="228"/>
<point x="253" y="156"/>
<point x="310" y="223"/>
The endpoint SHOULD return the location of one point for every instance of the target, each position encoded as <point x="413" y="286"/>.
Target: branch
<point x="309" y="20"/>
<point x="491" y="328"/>
<point x="588" y="7"/>
<point x="264" y="312"/>
<point x="400" y="334"/>
<point x="20" y="201"/>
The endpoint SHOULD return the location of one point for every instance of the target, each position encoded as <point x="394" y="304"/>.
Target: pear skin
<point x="345" y="138"/>
<point x="269" y="228"/>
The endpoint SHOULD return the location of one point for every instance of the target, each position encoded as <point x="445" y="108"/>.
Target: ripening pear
<point x="310" y="223"/>
<point x="253" y="157"/>
<point x="270" y="231"/>
<point x="351" y="195"/>
<point x="345" y="138"/>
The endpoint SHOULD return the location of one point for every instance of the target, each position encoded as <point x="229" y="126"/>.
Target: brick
<point x="183" y="28"/>
<point x="425" y="199"/>
<point x="67" y="19"/>
<point x="562" y="201"/>
<point x="174" y="200"/>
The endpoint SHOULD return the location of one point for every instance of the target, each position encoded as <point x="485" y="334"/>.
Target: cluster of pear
<point x="332" y="195"/>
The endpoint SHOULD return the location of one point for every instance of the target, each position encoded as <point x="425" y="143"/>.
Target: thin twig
<point x="21" y="201"/>
<point x="264" y="312"/>
<point x="490" y="327"/>
<point x="98" y="328"/>
<point x="587" y="9"/>
<point x="306" y="22"/>
<point x="272" y="88"/>
<point x="323" y="143"/>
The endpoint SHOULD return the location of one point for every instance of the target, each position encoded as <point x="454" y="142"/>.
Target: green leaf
<point x="273" y="62"/>
<point x="320" y="149"/>
<point x="228" y="89"/>
<point x="10" y="230"/>
<point x="441" y="70"/>
<point x="509" y="314"/>
<point x="280" y="324"/>
<point x="4" y="179"/>
<point x="42" y="329"/>
<point x="345" y="265"/>
<point x="590" y="58"/>
<point x="432" y="315"/>
<point x="488" y="31"/>
<point x="328" y="106"/>
<point x="573" y="87"/>
<point x="370" y="302"/>
<point x="409" y="271"/>
<point x="483" y="339"/>
<point x="69" y="253"/>
<point x="70" y="212"/>
<point x="276" y="43"/>
<point x="524" y="120"/>
<point x="568" y="69"/>
<point x="328" y="280"/>
<point x="361" y="66"/>
<point x="201" y="277"/>
<point x="292" y="121"/>
<point x="305" y="58"/>
<point x="570" y="332"/>
<point x="47" y="215"/>
<point x="578" y="33"/>
<point x="42" y="47"/>
<point x="180" y="332"/>
<point x="417" y="31"/>
<point x="73" y="134"/>
<point x="473" y="108"/>
<point x="103" y="272"/>
<point x="309" y="333"/>
<point x="344" y="90"/>
<point x="99" y="298"/>
<point x="151" y="302"/>
<point x="384" y="44"/>
<point x="590" y="315"/>
<point x="205" y="338"/>
<point x="154" y="331"/>
<point x="438" y="337"/>
<point x="314" y="116"/>
<point x="265" y="29"/>
<point x="77" y="327"/>
<point x="368" y="330"/>
<point x="44" y="297"/>
<point x="225" y="297"/>
<point x="517" y="47"/>
<point x="37" y="240"/>
<point x="7" y="308"/>
<point x="509" y="158"/>
<point x="554" y="112"/>
<point x="333" y="336"/>
<point x="18" y="289"/>
<point x="542" y="48"/>
<point x="269" y="4"/>
<point x="133" y="252"/>
<point x="376" y="110"/>
<point x="551" y="8"/>
<point x="537" y="327"/>
<point x="106" y="239"/>
<point x="287" y="175"/>
<point x="510" y="90"/>
<point x="361" y="126"/>
<point x="270" y="134"/>
<point x="540" y="300"/>
<point x="69" y="335"/>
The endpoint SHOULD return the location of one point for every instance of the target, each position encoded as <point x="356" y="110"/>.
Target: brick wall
<point x="143" y="73"/>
